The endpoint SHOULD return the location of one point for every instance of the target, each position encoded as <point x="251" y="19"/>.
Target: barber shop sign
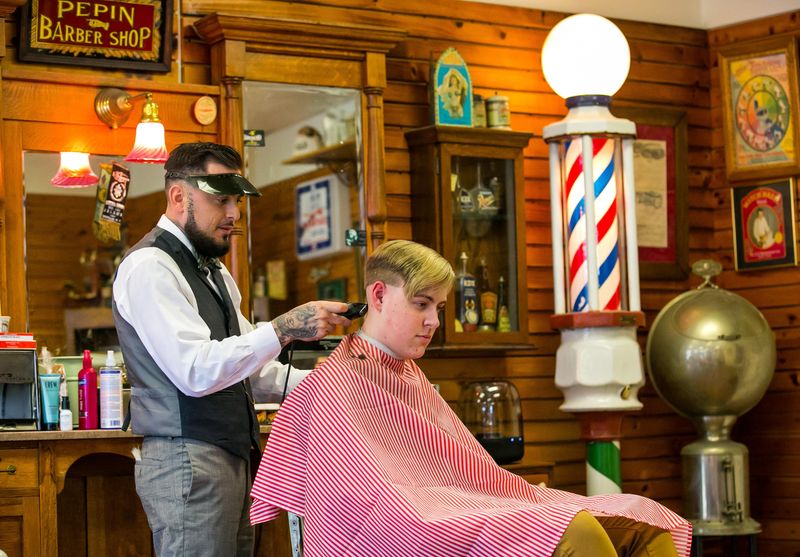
<point x="121" y="34"/>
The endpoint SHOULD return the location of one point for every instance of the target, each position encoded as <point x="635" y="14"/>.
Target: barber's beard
<point x="204" y="244"/>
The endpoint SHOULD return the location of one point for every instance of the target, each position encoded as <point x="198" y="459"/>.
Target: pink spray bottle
<point x="87" y="394"/>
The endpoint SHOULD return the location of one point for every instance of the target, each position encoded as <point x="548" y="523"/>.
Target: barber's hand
<point x="311" y="321"/>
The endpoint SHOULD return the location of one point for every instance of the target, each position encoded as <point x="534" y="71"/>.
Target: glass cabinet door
<point x="483" y="228"/>
<point x="468" y="204"/>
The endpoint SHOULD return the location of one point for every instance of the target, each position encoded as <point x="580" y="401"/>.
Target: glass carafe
<point x="491" y="410"/>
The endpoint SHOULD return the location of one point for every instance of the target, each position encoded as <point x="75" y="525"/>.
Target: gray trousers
<point x="196" y="497"/>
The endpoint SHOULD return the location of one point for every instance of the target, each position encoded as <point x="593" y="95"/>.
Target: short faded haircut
<point x="411" y="265"/>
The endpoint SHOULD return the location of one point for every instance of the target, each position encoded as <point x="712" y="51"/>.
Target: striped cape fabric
<point x="378" y="464"/>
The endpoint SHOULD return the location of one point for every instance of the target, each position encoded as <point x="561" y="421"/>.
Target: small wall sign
<point x="205" y="110"/>
<point x="254" y="138"/>
<point x="120" y="34"/>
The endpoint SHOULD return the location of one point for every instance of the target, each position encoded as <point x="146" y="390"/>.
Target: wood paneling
<point x="771" y="430"/>
<point x="501" y="46"/>
<point x="671" y="67"/>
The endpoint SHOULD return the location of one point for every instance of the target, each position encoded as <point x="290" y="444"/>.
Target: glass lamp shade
<point x="74" y="171"/>
<point x="149" y="146"/>
<point x="585" y="54"/>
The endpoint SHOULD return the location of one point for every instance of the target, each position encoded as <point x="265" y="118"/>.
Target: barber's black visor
<point x="221" y="184"/>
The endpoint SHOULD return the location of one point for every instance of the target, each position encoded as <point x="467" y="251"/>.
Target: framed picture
<point x="452" y="90"/>
<point x="759" y="101"/>
<point x="322" y="211"/>
<point x="660" y="153"/>
<point x="119" y="34"/>
<point x="763" y="225"/>
<point x="334" y="289"/>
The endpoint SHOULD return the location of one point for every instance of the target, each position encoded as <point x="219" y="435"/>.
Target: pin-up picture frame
<point x="452" y="90"/>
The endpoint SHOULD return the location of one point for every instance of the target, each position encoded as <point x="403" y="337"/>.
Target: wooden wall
<point x="671" y="67"/>
<point x="772" y="429"/>
<point x="502" y="46"/>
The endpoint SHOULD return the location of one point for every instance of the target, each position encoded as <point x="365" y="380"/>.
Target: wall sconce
<point x="585" y="59"/>
<point x="114" y="106"/>
<point x="74" y="171"/>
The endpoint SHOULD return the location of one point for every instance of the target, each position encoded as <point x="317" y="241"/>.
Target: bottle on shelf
<point x="87" y="394"/>
<point x="464" y="204"/>
<point x="110" y="394"/>
<point x="468" y="304"/>
<point x="488" y="298"/>
<point x="503" y="319"/>
<point x="65" y="416"/>
<point x="485" y="200"/>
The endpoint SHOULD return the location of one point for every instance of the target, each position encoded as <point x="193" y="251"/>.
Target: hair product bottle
<point x="110" y="394"/>
<point x="468" y="305"/>
<point x="87" y="394"/>
<point x="65" y="416"/>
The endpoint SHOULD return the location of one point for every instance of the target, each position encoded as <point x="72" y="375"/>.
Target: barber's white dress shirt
<point x="153" y="296"/>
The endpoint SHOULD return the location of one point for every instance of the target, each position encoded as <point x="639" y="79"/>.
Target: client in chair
<point x="378" y="464"/>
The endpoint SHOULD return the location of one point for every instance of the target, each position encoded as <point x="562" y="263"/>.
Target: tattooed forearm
<point x="295" y="324"/>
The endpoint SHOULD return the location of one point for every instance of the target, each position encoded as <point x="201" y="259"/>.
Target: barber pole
<point x="585" y="59"/>
<point x="598" y="365"/>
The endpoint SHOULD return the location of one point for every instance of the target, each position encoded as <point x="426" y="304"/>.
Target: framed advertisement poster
<point x="760" y="108"/>
<point x="660" y="153"/>
<point x="322" y="213"/>
<point x="118" y="34"/>
<point x="764" y="225"/>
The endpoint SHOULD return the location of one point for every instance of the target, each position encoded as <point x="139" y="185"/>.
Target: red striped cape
<point x="378" y="464"/>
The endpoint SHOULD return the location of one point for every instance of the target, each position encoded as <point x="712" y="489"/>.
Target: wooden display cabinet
<point x="469" y="196"/>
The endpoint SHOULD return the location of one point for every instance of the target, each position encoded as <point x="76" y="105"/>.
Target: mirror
<point x="68" y="270"/>
<point x="304" y="156"/>
<point x="310" y="138"/>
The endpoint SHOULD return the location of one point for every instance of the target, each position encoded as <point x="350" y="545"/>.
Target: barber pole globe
<point x="605" y="212"/>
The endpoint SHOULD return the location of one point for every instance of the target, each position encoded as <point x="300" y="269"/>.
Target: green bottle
<point x="503" y="319"/>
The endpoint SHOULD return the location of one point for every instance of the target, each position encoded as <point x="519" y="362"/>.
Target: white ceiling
<point x="699" y="14"/>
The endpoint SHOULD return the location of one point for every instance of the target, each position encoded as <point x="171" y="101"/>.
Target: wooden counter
<point x="72" y="493"/>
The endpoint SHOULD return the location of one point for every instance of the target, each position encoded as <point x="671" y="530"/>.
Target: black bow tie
<point x="208" y="263"/>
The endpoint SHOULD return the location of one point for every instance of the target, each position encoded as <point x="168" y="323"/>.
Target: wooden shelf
<point x="339" y="153"/>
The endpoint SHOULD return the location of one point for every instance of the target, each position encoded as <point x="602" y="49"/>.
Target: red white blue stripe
<point x="608" y="271"/>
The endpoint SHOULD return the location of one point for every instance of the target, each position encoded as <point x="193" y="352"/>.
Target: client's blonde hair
<point x="411" y="265"/>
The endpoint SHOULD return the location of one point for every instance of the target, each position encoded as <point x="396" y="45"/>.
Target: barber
<point x="190" y="352"/>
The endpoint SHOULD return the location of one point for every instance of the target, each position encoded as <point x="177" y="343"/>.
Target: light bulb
<point x="585" y="54"/>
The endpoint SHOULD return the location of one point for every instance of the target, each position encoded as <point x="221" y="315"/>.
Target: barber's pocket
<point x="165" y="471"/>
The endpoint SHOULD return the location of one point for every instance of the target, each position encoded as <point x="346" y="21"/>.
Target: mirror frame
<point x="302" y="52"/>
<point x="53" y="111"/>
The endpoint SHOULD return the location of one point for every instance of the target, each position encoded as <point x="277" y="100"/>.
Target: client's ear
<point x="375" y="293"/>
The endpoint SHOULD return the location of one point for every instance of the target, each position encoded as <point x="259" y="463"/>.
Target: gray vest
<point x="225" y="418"/>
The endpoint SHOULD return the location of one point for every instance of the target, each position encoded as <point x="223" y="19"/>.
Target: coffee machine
<point x="19" y="392"/>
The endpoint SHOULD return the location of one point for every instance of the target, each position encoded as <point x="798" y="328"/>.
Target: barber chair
<point x="296" y="534"/>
